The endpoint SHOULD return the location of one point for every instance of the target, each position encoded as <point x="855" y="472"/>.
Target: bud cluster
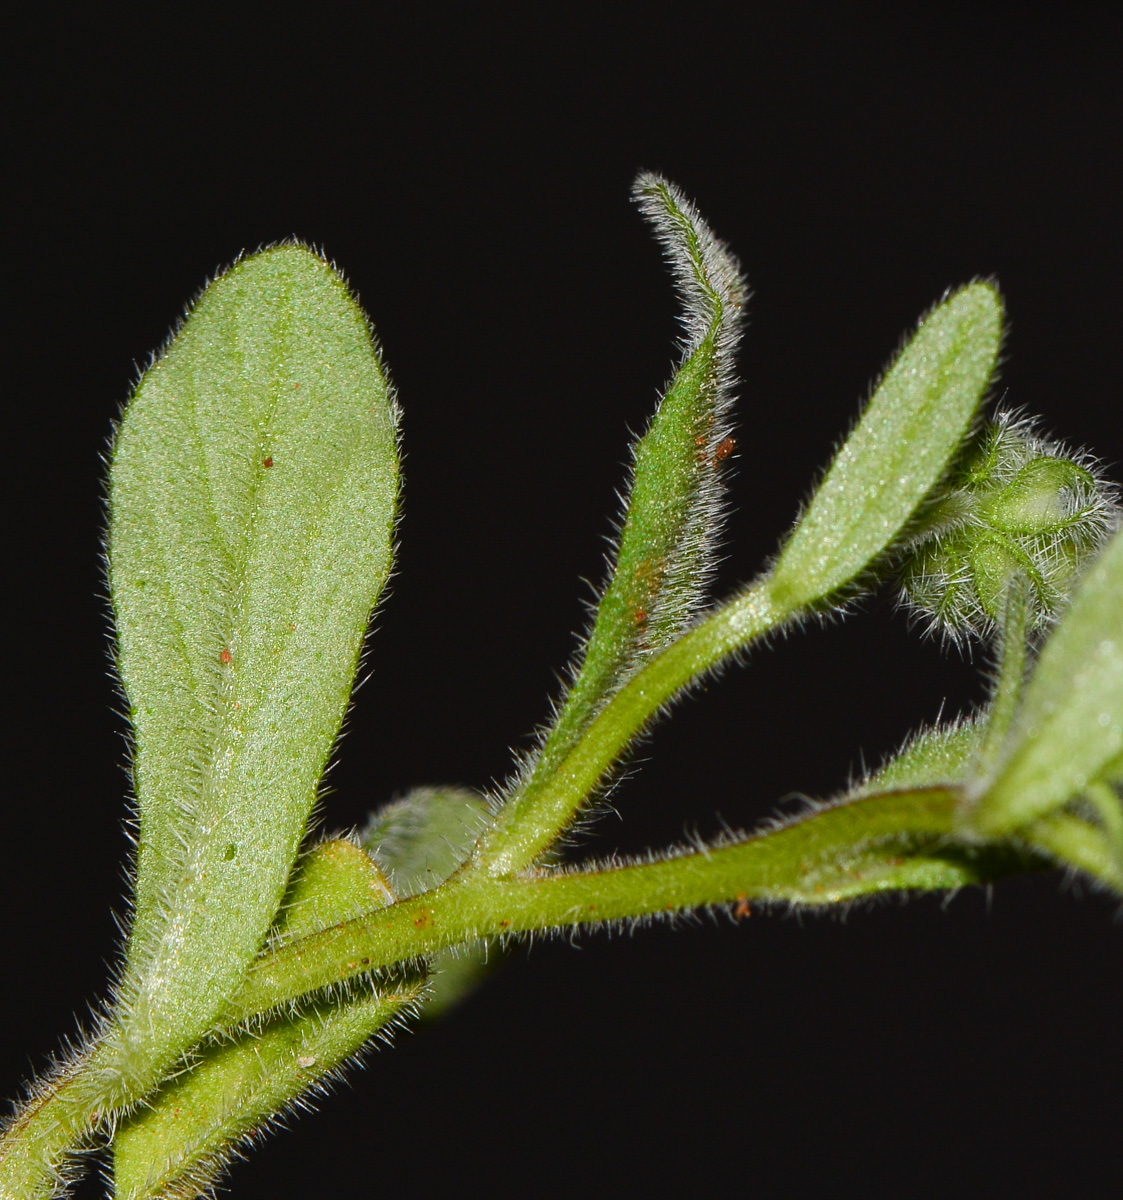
<point x="1017" y="507"/>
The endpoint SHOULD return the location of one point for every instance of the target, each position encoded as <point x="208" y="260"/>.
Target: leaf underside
<point x="252" y="499"/>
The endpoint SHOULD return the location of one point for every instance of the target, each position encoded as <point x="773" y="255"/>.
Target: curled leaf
<point x="665" y="558"/>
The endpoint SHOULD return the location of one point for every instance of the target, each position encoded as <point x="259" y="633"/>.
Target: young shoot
<point x="253" y="494"/>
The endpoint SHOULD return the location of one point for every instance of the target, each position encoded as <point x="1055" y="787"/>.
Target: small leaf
<point x="912" y="427"/>
<point x="940" y="755"/>
<point x="995" y="564"/>
<point x="178" y="1144"/>
<point x="1072" y="842"/>
<point x="253" y="492"/>
<point x="181" y="1144"/>
<point x="1034" y="500"/>
<point x="333" y="882"/>
<point x="664" y="562"/>
<point x="420" y="841"/>
<point x="665" y="559"/>
<point x="422" y="838"/>
<point x="1070" y="728"/>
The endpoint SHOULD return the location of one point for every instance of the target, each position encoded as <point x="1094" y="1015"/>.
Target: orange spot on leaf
<point x="267" y="462"/>
<point x="226" y="658"/>
<point x="741" y="909"/>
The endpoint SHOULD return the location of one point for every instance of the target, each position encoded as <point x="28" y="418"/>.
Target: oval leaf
<point x="910" y="430"/>
<point x="252" y="499"/>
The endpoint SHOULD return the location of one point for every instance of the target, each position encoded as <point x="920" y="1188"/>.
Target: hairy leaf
<point x="335" y="881"/>
<point x="942" y="754"/>
<point x="253" y="492"/>
<point x="664" y="562"/>
<point x="420" y="841"/>
<point x="913" y="425"/>
<point x="666" y="554"/>
<point x="1070" y="727"/>
<point x="179" y="1142"/>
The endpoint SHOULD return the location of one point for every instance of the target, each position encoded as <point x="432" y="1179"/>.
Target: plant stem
<point x="889" y="841"/>
<point x="1071" y="842"/>
<point x="535" y="819"/>
<point x="1106" y="803"/>
<point x="1011" y="676"/>
<point x="63" y="1114"/>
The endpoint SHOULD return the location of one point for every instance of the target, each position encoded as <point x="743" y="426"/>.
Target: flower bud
<point x="1017" y="506"/>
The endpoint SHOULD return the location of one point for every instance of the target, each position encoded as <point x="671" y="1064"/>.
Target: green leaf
<point x="1034" y="501"/>
<point x="1113" y="772"/>
<point x="178" y="1143"/>
<point x="420" y="841"/>
<point x="911" y="429"/>
<point x="1072" y="842"/>
<point x="664" y="562"/>
<point x="1070" y="727"/>
<point x="335" y="881"/>
<point x="940" y="755"/>
<point x="665" y="559"/>
<point x="252" y="499"/>
<point x="180" y="1146"/>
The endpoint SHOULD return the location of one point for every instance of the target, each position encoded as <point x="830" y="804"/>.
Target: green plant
<point x="252" y="505"/>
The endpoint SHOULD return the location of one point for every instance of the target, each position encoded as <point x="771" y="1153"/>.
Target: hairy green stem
<point x="537" y="817"/>
<point x="1072" y="842"/>
<point x="890" y="841"/>
<point x="63" y="1115"/>
<point x="1011" y="677"/>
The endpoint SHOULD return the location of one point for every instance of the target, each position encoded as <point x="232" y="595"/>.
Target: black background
<point x="471" y="176"/>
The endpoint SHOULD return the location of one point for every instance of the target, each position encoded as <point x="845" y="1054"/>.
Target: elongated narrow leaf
<point x="1070" y="728"/>
<point x="420" y="841"/>
<point x="253" y="492"/>
<point x="913" y="425"/>
<point x="664" y="562"/>
<point x="178" y="1144"/>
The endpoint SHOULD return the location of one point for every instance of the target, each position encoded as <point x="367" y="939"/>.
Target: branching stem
<point x="536" y="818"/>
